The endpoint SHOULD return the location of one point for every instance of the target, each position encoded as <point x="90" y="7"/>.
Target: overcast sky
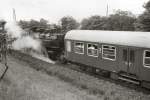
<point x="53" y="10"/>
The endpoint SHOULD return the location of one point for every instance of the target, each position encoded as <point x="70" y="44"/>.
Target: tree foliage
<point x="143" y="22"/>
<point x="94" y="23"/>
<point x="120" y="21"/>
<point x="41" y="26"/>
<point x="68" y="23"/>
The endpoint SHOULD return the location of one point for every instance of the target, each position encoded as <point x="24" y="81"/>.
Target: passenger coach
<point x="125" y="55"/>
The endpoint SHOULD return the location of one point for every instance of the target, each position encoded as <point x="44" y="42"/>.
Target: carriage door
<point x="128" y="60"/>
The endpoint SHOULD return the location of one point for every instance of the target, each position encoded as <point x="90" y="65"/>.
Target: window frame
<point x="115" y="54"/>
<point x="144" y="56"/>
<point x="75" y="47"/>
<point x="94" y="49"/>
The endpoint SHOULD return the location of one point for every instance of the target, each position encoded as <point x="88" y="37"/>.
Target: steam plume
<point x="25" y="42"/>
<point x="13" y="30"/>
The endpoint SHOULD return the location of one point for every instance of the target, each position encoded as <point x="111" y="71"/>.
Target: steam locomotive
<point x="54" y="45"/>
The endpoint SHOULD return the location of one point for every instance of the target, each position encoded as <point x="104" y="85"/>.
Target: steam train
<point x="123" y="55"/>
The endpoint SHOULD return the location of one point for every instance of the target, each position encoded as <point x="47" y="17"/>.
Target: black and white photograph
<point x="75" y="50"/>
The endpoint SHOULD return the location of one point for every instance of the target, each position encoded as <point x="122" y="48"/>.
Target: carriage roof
<point x="138" y="39"/>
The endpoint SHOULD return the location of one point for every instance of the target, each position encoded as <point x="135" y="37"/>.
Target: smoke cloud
<point x="24" y="42"/>
<point x="13" y="30"/>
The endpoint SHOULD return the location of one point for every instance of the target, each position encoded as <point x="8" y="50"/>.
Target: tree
<point x="54" y="28"/>
<point x="94" y="23"/>
<point x="24" y="24"/>
<point x="143" y="22"/>
<point x="43" y="23"/>
<point x="33" y="23"/>
<point x="121" y="21"/>
<point x="41" y="26"/>
<point x="68" y="23"/>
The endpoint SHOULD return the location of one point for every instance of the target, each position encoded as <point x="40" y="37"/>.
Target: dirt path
<point x="24" y="83"/>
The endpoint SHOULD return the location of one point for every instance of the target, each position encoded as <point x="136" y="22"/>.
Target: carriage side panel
<point x="97" y="62"/>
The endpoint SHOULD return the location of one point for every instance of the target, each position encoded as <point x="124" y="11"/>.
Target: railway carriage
<point x="125" y="55"/>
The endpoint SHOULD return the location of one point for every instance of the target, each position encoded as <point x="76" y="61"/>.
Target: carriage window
<point x="109" y="52"/>
<point x="146" y="58"/>
<point x="68" y="46"/>
<point x="79" y="47"/>
<point x="92" y="50"/>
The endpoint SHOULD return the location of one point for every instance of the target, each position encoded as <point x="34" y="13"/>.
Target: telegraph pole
<point x="14" y="15"/>
<point x="107" y="10"/>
